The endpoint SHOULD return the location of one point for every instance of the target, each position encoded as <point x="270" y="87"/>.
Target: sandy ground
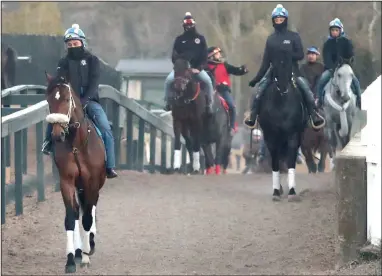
<point x="184" y="225"/>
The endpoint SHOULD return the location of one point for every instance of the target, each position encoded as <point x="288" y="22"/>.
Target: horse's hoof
<point x="276" y="195"/>
<point x="292" y="196"/>
<point x="177" y="171"/>
<point x="70" y="268"/>
<point x="78" y="256"/>
<point x="92" y="244"/>
<point x="85" y="265"/>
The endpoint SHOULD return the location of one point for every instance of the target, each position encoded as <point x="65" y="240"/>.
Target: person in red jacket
<point x="220" y="71"/>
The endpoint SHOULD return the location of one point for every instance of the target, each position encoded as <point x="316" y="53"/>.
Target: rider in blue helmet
<point x="82" y="70"/>
<point x="280" y="43"/>
<point x="312" y="69"/>
<point x="337" y="47"/>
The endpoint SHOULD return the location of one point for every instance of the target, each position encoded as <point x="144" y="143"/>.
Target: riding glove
<point x="252" y="83"/>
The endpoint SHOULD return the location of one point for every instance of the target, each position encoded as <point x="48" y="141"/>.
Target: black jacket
<point x="191" y="46"/>
<point x="312" y="72"/>
<point x="280" y="45"/>
<point x="82" y="74"/>
<point x="334" y="48"/>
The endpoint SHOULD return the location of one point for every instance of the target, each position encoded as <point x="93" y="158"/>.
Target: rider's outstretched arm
<point x="264" y="65"/>
<point x="233" y="70"/>
<point x="94" y="74"/>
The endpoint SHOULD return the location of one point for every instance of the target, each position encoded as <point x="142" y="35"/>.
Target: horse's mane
<point x="181" y="64"/>
<point x="283" y="70"/>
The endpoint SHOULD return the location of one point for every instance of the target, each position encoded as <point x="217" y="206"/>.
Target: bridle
<point x="64" y="119"/>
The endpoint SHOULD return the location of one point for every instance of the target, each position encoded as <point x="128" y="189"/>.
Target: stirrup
<point x="319" y="126"/>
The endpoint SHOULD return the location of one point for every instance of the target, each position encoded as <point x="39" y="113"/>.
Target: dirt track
<point x="184" y="225"/>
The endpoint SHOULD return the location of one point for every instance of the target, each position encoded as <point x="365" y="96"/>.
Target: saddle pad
<point x="224" y="103"/>
<point x="100" y="135"/>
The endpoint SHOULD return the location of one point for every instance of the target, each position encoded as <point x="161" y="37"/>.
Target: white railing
<point x="371" y="137"/>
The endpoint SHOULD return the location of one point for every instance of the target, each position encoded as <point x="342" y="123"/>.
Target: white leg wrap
<point x="177" y="159"/>
<point x="69" y="242"/>
<point x="93" y="229"/>
<point x="77" y="235"/>
<point x="276" y="180"/>
<point x="196" y="161"/>
<point x="291" y="178"/>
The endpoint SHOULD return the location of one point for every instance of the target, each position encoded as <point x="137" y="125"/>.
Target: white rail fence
<point x="371" y="138"/>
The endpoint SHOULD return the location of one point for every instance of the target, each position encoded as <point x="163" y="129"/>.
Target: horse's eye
<point x="339" y="75"/>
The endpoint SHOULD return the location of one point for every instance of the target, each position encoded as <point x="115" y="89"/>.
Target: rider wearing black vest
<point x="82" y="70"/>
<point x="282" y="42"/>
<point x="191" y="46"/>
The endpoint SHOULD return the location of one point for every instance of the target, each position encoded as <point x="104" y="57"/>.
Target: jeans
<point x="202" y="76"/>
<point x="232" y="109"/>
<point x="98" y="116"/>
<point x="325" y="77"/>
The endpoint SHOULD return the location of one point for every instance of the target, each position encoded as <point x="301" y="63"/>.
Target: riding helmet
<point x="75" y="33"/>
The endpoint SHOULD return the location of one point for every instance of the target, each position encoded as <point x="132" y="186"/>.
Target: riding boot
<point x="47" y="147"/>
<point x="110" y="173"/>
<point x="251" y="121"/>
<point x="309" y="101"/>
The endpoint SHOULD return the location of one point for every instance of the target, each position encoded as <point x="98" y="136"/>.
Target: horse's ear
<point x="48" y="77"/>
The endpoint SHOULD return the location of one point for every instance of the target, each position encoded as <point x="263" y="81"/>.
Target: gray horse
<point x="339" y="108"/>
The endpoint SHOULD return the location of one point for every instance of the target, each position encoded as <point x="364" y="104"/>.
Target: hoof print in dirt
<point x="70" y="266"/>
<point x="276" y="195"/>
<point x="292" y="196"/>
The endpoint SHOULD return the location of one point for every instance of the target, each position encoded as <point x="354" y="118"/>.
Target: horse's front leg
<point x="87" y="221"/>
<point x="277" y="188"/>
<point x="293" y="145"/>
<point x="209" y="158"/>
<point x="71" y="216"/>
<point x="196" y="138"/>
<point x="177" y="145"/>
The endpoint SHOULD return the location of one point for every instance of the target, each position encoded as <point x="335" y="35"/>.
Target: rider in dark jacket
<point x="312" y="69"/>
<point x="192" y="46"/>
<point x="282" y="42"/>
<point x="220" y="71"/>
<point x="82" y="70"/>
<point x="337" y="47"/>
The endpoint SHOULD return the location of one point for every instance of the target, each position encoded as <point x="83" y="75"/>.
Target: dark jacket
<point x="334" y="48"/>
<point x="191" y="46"/>
<point x="279" y="46"/>
<point x="82" y="74"/>
<point x="312" y="72"/>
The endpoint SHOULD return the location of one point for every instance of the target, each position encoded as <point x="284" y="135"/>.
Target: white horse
<point x="339" y="108"/>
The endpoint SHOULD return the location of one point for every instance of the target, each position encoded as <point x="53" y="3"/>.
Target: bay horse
<point x="339" y="106"/>
<point x="188" y="113"/>
<point x="282" y="118"/>
<point x="79" y="154"/>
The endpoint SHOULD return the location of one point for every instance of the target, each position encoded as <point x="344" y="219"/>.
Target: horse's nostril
<point x="62" y="134"/>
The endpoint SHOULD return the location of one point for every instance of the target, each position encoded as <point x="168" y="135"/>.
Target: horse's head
<point x="342" y="79"/>
<point x="182" y="76"/>
<point x="62" y="105"/>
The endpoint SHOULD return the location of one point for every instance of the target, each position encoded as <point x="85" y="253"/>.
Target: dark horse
<point x="282" y="118"/>
<point x="79" y="154"/>
<point x="8" y="66"/>
<point x="190" y="119"/>
<point x="315" y="141"/>
<point x="217" y="131"/>
<point x="188" y="113"/>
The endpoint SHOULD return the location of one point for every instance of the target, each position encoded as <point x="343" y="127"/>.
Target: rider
<point x="282" y="41"/>
<point x="312" y="69"/>
<point x="337" y="47"/>
<point x="192" y="46"/>
<point x="82" y="70"/>
<point x="220" y="70"/>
